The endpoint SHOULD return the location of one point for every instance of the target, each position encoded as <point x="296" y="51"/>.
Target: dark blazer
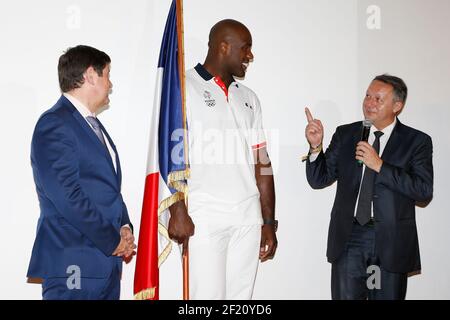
<point x="81" y="206"/>
<point x="406" y="177"/>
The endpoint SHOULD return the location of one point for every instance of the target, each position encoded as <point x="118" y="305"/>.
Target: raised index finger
<point x="309" y="116"/>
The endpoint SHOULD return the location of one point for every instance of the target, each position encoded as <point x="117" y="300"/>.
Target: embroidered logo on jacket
<point x="208" y="99"/>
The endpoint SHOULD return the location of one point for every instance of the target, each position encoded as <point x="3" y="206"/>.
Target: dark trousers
<point x="90" y="288"/>
<point x="357" y="274"/>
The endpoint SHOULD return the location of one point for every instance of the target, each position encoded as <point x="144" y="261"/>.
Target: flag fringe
<point x="145" y="294"/>
<point x="178" y="176"/>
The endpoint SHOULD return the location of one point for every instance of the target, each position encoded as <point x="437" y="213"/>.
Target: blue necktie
<point x="96" y="126"/>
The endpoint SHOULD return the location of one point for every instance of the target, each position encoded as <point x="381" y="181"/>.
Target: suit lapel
<point x="113" y="146"/>
<point x="394" y="141"/>
<point x="90" y="132"/>
<point x="357" y="168"/>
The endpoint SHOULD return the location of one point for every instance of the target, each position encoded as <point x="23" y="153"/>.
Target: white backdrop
<point x="320" y="53"/>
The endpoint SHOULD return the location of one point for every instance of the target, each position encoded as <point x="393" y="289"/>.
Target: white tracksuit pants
<point x="223" y="261"/>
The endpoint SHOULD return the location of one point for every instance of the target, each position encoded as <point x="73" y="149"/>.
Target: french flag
<point x="167" y="168"/>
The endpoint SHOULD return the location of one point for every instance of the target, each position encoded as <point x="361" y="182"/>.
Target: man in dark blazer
<point x="372" y="240"/>
<point x="84" y="231"/>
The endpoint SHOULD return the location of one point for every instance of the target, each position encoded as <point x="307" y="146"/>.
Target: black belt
<point x="371" y="222"/>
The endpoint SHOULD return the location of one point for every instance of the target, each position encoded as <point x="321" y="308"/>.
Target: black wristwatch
<point x="272" y="222"/>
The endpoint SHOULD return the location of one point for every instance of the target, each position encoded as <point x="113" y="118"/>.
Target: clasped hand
<point x="126" y="246"/>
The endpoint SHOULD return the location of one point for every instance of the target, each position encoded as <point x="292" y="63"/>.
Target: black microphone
<point x="365" y="132"/>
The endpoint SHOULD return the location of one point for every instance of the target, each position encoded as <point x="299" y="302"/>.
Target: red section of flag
<point x="147" y="275"/>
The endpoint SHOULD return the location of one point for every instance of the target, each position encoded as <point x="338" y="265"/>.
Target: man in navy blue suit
<point x="84" y="232"/>
<point x="372" y="239"/>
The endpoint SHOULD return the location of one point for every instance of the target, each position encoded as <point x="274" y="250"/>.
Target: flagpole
<point x="181" y="66"/>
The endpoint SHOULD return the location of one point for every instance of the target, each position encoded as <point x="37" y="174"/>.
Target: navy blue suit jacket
<point x="81" y="206"/>
<point x="406" y="178"/>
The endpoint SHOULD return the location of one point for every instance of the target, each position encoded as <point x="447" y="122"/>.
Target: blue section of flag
<point x="171" y="135"/>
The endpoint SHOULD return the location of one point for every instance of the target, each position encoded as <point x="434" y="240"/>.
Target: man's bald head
<point x="224" y="31"/>
<point x="230" y="50"/>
